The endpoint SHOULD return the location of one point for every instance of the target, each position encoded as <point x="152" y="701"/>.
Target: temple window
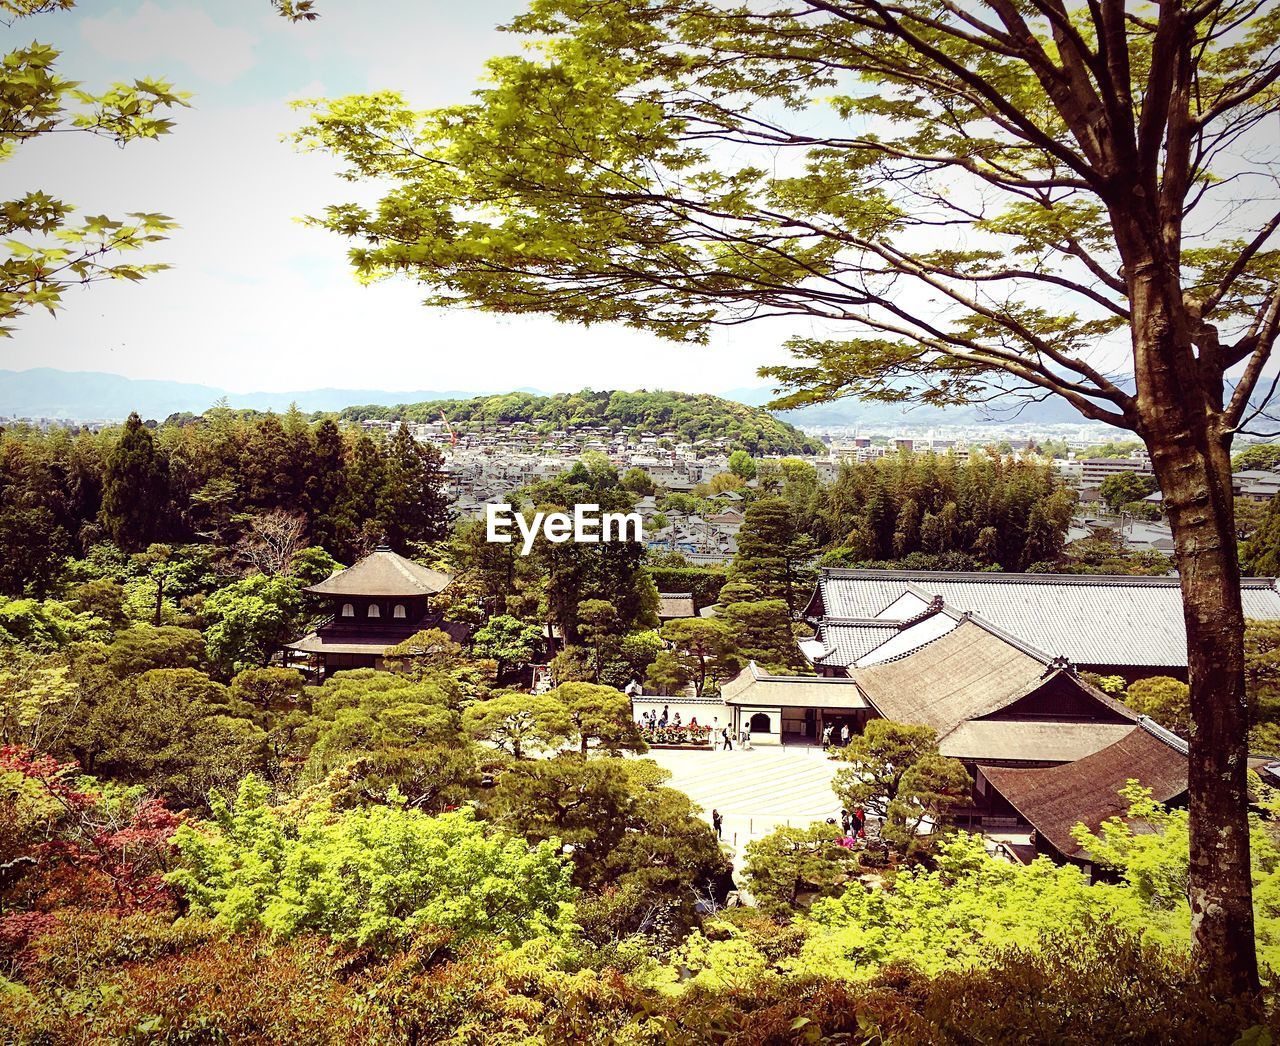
<point x="398" y="611"/>
<point x="348" y="610"/>
<point x="374" y="611"/>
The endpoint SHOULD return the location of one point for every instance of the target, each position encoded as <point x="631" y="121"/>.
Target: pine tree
<point x="135" y="488"/>
<point x="412" y="505"/>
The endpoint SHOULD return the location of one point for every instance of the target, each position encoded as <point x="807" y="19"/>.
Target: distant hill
<point x="689" y="416"/>
<point x="95" y="396"/>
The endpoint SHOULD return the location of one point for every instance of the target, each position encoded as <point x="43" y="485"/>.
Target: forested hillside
<point x="690" y="417"/>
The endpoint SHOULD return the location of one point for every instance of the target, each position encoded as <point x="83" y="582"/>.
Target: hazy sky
<point x="255" y="301"/>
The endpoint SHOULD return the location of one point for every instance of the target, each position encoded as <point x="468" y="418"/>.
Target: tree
<point x="668" y="674"/>
<point x="518" y="723"/>
<point x="742" y="465"/>
<point x="508" y="641"/>
<point x="773" y="554"/>
<point x="174" y="731"/>
<point x="638" y="482"/>
<point x="790" y="860"/>
<point x="897" y="776"/>
<point x="135" y="489"/>
<point x="704" y="650"/>
<point x="412" y="505"/>
<point x="1095" y="138"/>
<point x="1120" y="488"/>
<point x="760" y="631"/>
<point x="625" y="831"/>
<point x="601" y="714"/>
<point x="1257" y="456"/>
<point x="273" y="540"/>
<point x="45" y="251"/>
<point x="1164" y="699"/>
<point x="251" y="619"/>
<point x="371" y="876"/>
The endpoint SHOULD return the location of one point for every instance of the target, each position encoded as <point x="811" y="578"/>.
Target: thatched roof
<point x="382" y="573"/>
<point x="1054" y="799"/>
<point x="675" y="605"/>
<point x="969" y="672"/>
<point x="1030" y="740"/>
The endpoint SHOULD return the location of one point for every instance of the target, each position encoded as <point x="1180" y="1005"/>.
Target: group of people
<point x="832" y="736"/>
<point x="854" y="823"/>
<point x="654" y="721"/>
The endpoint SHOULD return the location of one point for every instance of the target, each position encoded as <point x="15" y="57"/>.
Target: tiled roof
<point x="753" y="687"/>
<point x="1054" y="799"/>
<point x="382" y="573"/>
<point x="1090" y="619"/>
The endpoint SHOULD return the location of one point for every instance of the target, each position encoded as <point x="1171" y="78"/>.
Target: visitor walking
<point x="717" y="822"/>
<point x="846" y="819"/>
<point x="844" y="735"/>
<point x="826" y="736"/>
<point x="728" y="741"/>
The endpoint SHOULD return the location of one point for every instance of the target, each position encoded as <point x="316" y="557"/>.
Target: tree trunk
<point x="1194" y="471"/>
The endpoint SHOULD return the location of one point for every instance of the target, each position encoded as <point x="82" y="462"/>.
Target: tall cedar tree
<point x="412" y="505"/>
<point x="135" y="489"/>
<point x="1060" y="179"/>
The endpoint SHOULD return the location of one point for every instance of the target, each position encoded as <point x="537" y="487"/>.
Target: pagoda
<point x="376" y="603"/>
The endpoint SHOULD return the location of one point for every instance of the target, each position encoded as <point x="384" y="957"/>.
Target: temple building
<point x="990" y="697"/>
<point x="375" y="604"/>
<point x="1111" y="624"/>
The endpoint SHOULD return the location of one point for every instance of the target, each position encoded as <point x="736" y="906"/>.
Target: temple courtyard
<point x="755" y="790"/>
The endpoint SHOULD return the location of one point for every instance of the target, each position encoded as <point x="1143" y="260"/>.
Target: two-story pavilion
<point x="376" y="603"/>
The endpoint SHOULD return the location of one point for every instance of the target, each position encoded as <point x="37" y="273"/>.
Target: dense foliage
<point x="252" y="485"/>
<point x="681" y="417"/>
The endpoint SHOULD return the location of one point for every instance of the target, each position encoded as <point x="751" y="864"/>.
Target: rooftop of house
<point x="1054" y="799"/>
<point x="1090" y="619"/>
<point x="675" y="605"/>
<point x="382" y="573"/>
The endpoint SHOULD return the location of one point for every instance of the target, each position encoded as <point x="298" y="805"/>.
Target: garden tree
<point x="760" y="631"/>
<point x="896" y="775"/>
<point x="789" y="861"/>
<point x="742" y="465"/>
<point x="101" y="598"/>
<point x="268" y="689"/>
<point x="668" y="674"/>
<point x="134" y="488"/>
<point x="28" y="566"/>
<point x="369" y="876"/>
<point x="249" y="620"/>
<point x="366" y="712"/>
<point x="626" y="832"/>
<point x="601" y="714"/>
<point x="519" y="723"/>
<point x="598" y="625"/>
<point x="425" y="652"/>
<point x="412" y="506"/>
<point x="312" y="565"/>
<point x="272" y="540"/>
<point x="326" y="486"/>
<point x="773" y="554"/>
<point x="37" y="697"/>
<point x="1262" y="683"/>
<point x="1120" y="488"/>
<point x="508" y="641"/>
<point x="702" y="649"/>
<point x="174" y="731"/>
<point x="1260" y="555"/>
<point x="1100" y="141"/>
<point x="143" y="647"/>
<point x="1164" y="699"/>
<point x="156" y="563"/>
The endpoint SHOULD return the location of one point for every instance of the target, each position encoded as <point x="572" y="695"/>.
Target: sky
<point x="255" y="300"/>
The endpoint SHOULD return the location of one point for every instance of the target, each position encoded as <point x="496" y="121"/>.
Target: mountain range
<point x="44" y="392"/>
